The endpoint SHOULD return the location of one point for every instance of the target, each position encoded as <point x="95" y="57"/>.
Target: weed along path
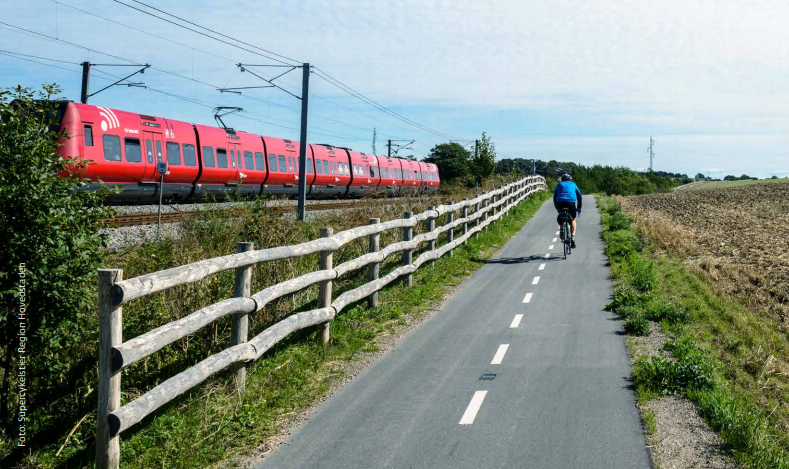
<point x="521" y="368"/>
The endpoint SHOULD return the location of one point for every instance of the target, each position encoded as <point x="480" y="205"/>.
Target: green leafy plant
<point x="636" y="324"/>
<point x="50" y="228"/>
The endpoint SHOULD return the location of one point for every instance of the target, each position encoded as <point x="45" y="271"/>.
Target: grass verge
<point x="213" y="424"/>
<point x="700" y="364"/>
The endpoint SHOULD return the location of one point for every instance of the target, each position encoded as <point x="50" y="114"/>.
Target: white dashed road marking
<point x="527" y="298"/>
<point x="553" y="240"/>
<point x="557" y="233"/>
<point x="535" y="281"/>
<point x="516" y="321"/>
<point x="548" y="255"/>
<point x="473" y="407"/>
<point x="550" y="247"/>
<point x="499" y="354"/>
<point x="542" y="267"/>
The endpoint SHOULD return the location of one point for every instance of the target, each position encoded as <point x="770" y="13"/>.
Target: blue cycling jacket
<point x="567" y="191"/>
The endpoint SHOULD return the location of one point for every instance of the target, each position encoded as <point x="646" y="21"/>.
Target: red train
<point x="205" y="161"/>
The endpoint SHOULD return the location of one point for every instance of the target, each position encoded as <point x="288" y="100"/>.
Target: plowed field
<point x="738" y="236"/>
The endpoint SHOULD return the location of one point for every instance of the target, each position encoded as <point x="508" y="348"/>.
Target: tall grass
<point x="701" y="366"/>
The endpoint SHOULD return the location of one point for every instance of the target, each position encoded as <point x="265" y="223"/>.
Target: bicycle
<point x="565" y="230"/>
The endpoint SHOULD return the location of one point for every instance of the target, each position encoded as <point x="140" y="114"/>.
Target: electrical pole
<point x="389" y="146"/>
<point x="305" y="87"/>
<point x="83" y="98"/>
<point x="374" y="137"/>
<point x="651" y="152"/>
<point x="534" y="166"/>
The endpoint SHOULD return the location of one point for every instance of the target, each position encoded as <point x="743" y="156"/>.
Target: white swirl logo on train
<point x="110" y="120"/>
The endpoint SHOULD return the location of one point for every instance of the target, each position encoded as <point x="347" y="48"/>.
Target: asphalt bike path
<point x="560" y="398"/>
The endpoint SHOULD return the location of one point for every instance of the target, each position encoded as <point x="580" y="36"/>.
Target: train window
<point x="326" y="167"/>
<point x="260" y="163"/>
<point x="158" y="152"/>
<point x="232" y="158"/>
<point x="249" y="160"/>
<point x="189" y="155"/>
<point x="272" y="162"/>
<point x="149" y="148"/>
<point x="133" y="150"/>
<point x="208" y="157"/>
<point x="318" y="167"/>
<point x="221" y="157"/>
<point x="112" y="147"/>
<point x="309" y="165"/>
<point x="238" y="158"/>
<point x="88" y="132"/>
<point x="282" y="166"/>
<point x="173" y="153"/>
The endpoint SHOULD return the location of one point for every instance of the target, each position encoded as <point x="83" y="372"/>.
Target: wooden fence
<point x="116" y="354"/>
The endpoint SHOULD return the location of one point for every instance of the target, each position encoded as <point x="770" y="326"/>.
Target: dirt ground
<point x="738" y="236"/>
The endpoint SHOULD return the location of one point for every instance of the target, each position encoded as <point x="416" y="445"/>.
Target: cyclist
<point x="566" y="196"/>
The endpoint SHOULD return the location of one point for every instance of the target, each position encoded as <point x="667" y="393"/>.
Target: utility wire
<point x="220" y="34"/>
<point x="147" y="33"/>
<point x="345" y="137"/>
<point x="38" y="62"/>
<point x="202" y="33"/>
<point x="327" y="77"/>
<point x="38" y="57"/>
<point x="338" y="84"/>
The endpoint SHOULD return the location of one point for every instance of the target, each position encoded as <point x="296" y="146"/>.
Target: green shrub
<point x="613" y="207"/>
<point x="625" y="296"/>
<point x="662" y="376"/>
<point x="621" y="244"/>
<point x="50" y="231"/>
<point x="636" y="324"/>
<point x="642" y="275"/>
<point x="618" y="221"/>
<point x="667" y="312"/>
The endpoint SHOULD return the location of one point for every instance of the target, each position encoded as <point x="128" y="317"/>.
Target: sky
<point x="582" y="81"/>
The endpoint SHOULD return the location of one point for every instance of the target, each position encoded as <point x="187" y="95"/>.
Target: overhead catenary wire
<point x="178" y="75"/>
<point x="218" y="33"/>
<point x="323" y="74"/>
<point x="218" y="56"/>
<point x="202" y="33"/>
<point x="347" y="89"/>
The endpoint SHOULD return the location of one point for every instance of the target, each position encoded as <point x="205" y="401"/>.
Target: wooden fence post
<point x="375" y="246"/>
<point x="110" y="334"/>
<point x="324" y="288"/>
<point x="476" y="222"/>
<point x="240" y="326"/>
<point x="485" y="212"/>
<point x="465" y="215"/>
<point x="431" y="225"/>
<point x="408" y="234"/>
<point x="451" y="232"/>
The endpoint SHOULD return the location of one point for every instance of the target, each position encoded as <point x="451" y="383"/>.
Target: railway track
<point x="170" y="217"/>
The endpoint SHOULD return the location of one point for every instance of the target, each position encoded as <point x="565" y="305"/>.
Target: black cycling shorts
<point x="570" y="206"/>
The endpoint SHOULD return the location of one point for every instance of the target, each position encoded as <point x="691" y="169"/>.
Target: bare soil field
<point x="738" y="236"/>
<point x="734" y="239"/>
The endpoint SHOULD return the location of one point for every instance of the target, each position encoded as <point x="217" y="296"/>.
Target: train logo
<point x="110" y="120"/>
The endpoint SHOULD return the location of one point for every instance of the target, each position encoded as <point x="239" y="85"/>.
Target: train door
<point x="235" y="161"/>
<point x="293" y="164"/>
<point x="154" y="151"/>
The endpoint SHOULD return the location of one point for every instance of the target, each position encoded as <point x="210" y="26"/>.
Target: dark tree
<point x="452" y="159"/>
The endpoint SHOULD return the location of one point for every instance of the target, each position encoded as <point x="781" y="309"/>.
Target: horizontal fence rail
<point x="115" y="354"/>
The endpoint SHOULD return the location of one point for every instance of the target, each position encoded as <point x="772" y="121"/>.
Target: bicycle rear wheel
<point x="566" y="233"/>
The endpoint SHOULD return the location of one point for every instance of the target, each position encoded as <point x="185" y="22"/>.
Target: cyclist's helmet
<point x="566" y="177"/>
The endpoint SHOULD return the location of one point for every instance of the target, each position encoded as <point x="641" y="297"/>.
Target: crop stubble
<point x="737" y="236"/>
